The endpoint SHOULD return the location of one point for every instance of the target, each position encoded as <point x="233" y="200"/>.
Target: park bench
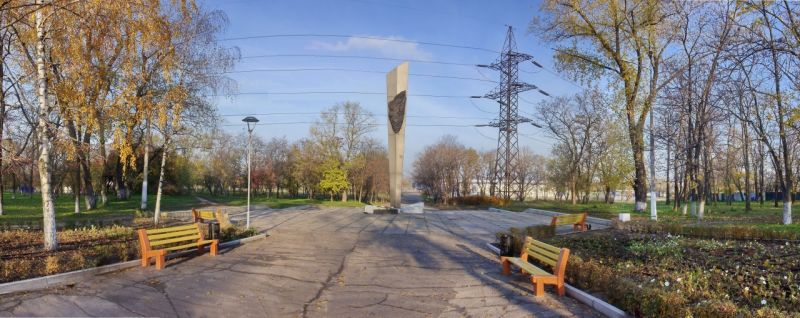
<point x="157" y="242"/>
<point x="578" y="221"/>
<point x="214" y="219"/>
<point x="543" y="253"/>
<point x="204" y="215"/>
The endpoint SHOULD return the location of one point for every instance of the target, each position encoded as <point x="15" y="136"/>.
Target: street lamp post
<point x="251" y="124"/>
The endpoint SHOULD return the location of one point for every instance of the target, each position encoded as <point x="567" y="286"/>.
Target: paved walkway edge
<point x="581" y="296"/>
<point x="67" y="278"/>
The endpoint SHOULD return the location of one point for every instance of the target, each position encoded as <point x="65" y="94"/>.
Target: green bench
<point x="543" y="253"/>
<point x="578" y="221"/>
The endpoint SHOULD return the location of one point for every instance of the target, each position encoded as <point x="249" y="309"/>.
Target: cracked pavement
<point x="324" y="262"/>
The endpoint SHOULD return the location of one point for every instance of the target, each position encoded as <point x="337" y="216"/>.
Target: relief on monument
<point x="397" y="111"/>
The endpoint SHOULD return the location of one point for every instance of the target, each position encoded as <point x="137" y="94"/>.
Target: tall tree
<point x="625" y="40"/>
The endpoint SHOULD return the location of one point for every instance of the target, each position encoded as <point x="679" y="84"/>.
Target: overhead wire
<point x="480" y="133"/>
<point x="374" y="124"/>
<point x="338" y="69"/>
<point x="364" y="37"/>
<point x="358" y="57"/>
<point x="323" y="112"/>
<point x="334" y="92"/>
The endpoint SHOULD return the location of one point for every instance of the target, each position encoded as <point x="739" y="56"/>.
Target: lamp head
<point x="250" y="120"/>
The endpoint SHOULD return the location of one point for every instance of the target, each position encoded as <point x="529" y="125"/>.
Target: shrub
<point x="235" y="233"/>
<point x="479" y="200"/>
<point x="723" y="232"/>
<point x="539" y="232"/>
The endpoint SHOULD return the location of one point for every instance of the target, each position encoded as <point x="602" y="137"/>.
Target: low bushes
<point x="715" y="231"/>
<point x="666" y="275"/>
<point x="539" y="232"/>
<point x="22" y="257"/>
<point x="21" y="254"/>
<point x="479" y="200"/>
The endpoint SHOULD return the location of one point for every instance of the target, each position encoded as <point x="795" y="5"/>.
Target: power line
<point x="375" y="124"/>
<point x="478" y="107"/>
<point x="539" y="65"/>
<point x="365" y="37"/>
<point x="358" y="57"/>
<point x="334" y="92"/>
<point x="480" y="133"/>
<point x="337" y="69"/>
<point x="319" y="113"/>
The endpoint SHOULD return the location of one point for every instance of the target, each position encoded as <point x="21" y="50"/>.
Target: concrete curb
<point x="583" y="297"/>
<point x="594" y="302"/>
<point x="74" y="277"/>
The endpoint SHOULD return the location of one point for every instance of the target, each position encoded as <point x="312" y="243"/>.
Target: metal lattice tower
<point x="506" y="94"/>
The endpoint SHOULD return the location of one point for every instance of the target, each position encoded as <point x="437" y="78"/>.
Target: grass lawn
<point x="277" y="203"/>
<point x="714" y="212"/>
<point x="25" y="208"/>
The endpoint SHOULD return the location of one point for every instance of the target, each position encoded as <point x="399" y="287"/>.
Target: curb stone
<point x="74" y="277"/>
<point x="583" y="297"/>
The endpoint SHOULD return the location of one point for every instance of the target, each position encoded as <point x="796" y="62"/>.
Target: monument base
<point x="386" y="211"/>
<point x="371" y="209"/>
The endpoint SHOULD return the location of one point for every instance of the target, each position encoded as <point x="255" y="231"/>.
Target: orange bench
<point x="544" y="253"/>
<point x="578" y="221"/>
<point x="170" y="239"/>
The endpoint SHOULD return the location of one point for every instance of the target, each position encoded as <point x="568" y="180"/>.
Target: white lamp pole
<point x="249" y="120"/>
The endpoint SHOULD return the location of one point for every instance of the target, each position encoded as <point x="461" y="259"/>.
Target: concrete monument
<point x="396" y="87"/>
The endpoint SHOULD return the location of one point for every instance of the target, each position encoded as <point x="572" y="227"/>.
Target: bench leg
<point x="160" y="259"/>
<point x="506" y="266"/>
<point x="214" y="247"/>
<point x="561" y="290"/>
<point x="538" y="288"/>
<point x="145" y="261"/>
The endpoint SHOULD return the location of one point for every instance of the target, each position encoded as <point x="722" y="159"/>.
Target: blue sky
<point x="467" y="23"/>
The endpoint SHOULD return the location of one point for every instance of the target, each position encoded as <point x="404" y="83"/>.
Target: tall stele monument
<point x="396" y="87"/>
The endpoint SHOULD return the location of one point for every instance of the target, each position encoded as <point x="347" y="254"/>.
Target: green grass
<point x="25" y="208"/>
<point x="277" y="203"/>
<point x="714" y="212"/>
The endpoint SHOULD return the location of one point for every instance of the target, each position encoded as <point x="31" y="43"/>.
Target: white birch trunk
<point x="787" y="212"/>
<point x="146" y="167"/>
<point x="43" y="132"/>
<point x="701" y="210"/>
<point x="157" y="210"/>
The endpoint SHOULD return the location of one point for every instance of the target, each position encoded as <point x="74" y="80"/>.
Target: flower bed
<point x="716" y="231"/>
<point x="663" y="275"/>
<point x="22" y="257"/>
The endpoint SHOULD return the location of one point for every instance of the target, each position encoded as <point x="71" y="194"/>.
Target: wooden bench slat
<point x="542" y="258"/>
<point x="546" y="246"/>
<point x="543" y="252"/>
<point x="194" y="237"/>
<point x="528" y="267"/>
<point x="207" y="214"/>
<point x="171" y="229"/>
<point x="567" y="219"/>
<point x="185" y="246"/>
<point x="171" y="234"/>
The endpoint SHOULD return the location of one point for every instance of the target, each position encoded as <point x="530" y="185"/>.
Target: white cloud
<point x="385" y="46"/>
